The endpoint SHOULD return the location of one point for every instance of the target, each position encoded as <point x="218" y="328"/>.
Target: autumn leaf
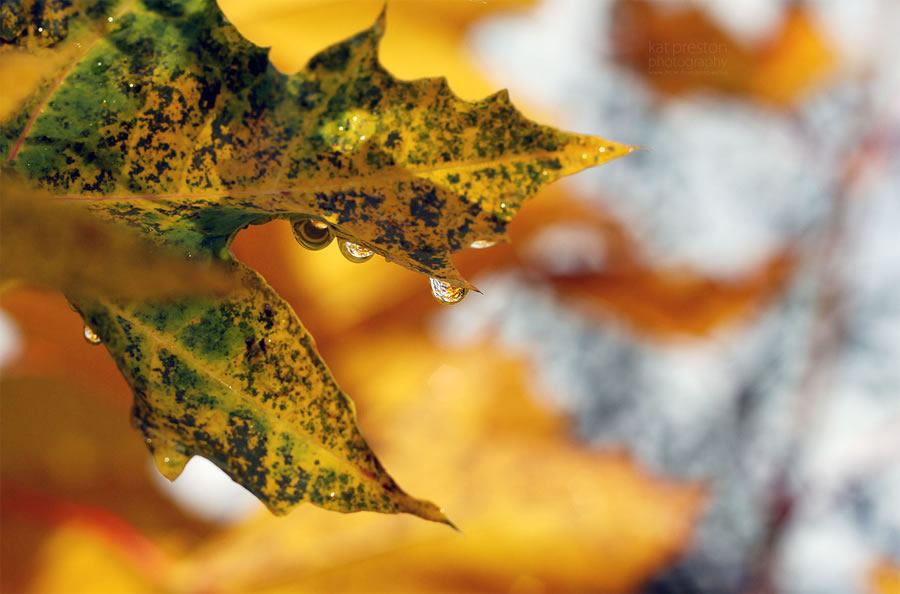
<point x="660" y="302"/>
<point x="681" y="49"/>
<point x="91" y="256"/>
<point x="172" y="124"/>
<point x="197" y="152"/>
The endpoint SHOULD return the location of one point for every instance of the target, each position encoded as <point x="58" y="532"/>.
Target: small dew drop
<point x="312" y="234"/>
<point x="503" y="206"/>
<point x="332" y="493"/>
<point x="99" y="63"/>
<point x="354" y="252"/>
<point x="584" y="155"/>
<point x="109" y="20"/>
<point x="40" y="29"/>
<point x="362" y="137"/>
<point x="130" y="85"/>
<point x="447" y="293"/>
<point x="602" y="149"/>
<point x="341" y="128"/>
<point x="149" y="440"/>
<point x="166" y="460"/>
<point x="355" y="118"/>
<point x="545" y="173"/>
<point x="91" y="336"/>
<point x="480" y="244"/>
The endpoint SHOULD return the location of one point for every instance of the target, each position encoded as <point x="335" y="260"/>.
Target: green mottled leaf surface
<point x="169" y="122"/>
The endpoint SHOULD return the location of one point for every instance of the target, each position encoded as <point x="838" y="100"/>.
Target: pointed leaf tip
<point x="379" y="26"/>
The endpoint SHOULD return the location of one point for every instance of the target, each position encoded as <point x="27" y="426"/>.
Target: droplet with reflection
<point x="354" y="252"/>
<point x="90" y="336"/>
<point x="312" y="234"/>
<point x="480" y="244"/>
<point x="447" y="293"/>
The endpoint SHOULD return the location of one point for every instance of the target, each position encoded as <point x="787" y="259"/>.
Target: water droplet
<point x="312" y="234"/>
<point x="480" y="244"/>
<point x="130" y="85"/>
<point x="341" y="128"/>
<point x="99" y="63"/>
<point x="332" y="493"/>
<point x="40" y="29"/>
<point x="447" y="293"/>
<point x="166" y="459"/>
<point x="355" y="118"/>
<point x="149" y="440"/>
<point x="355" y="252"/>
<point x="602" y="149"/>
<point x="584" y="155"/>
<point x="545" y="173"/>
<point x="91" y="336"/>
<point x="362" y="137"/>
<point x="109" y="20"/>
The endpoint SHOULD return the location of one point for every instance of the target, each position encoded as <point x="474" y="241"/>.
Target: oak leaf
<point x="170" y="123"/>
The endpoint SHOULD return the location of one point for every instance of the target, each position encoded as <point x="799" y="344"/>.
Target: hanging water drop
<point x="91" y="336"/>
<point x="447" y="293"/>
<point x="312" y="234"/>
<point x="480" y="244"/>
<point x="354" y="252"/>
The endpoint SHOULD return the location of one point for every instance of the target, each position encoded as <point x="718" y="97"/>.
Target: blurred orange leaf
<point x="680" y="49"/>
<point x="665" y="303"/>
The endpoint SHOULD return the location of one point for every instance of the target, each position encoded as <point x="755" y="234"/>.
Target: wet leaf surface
<point x="170" y="123"/>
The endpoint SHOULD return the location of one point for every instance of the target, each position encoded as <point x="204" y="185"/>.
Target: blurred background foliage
<point x="681" y="376"/>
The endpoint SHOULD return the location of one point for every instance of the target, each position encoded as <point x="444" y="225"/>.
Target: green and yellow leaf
<point x="171" y="123"/>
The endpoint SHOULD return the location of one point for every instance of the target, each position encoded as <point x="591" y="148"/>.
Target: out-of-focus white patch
<point x="749" y="21"/>
<point x="568" y="249"/>
<point x="204" y="491"/>
<point x="824" y="554"/>
<point x="10" y="339"/>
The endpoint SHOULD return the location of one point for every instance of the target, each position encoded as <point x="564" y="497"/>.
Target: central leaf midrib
<point x="338" y="184"/>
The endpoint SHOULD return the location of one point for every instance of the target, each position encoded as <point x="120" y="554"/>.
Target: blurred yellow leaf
<point x="795" y="59"/>
<point x="537" y="512"/>
<point x="77" y="558"/>
<point x="885" y="579"/>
